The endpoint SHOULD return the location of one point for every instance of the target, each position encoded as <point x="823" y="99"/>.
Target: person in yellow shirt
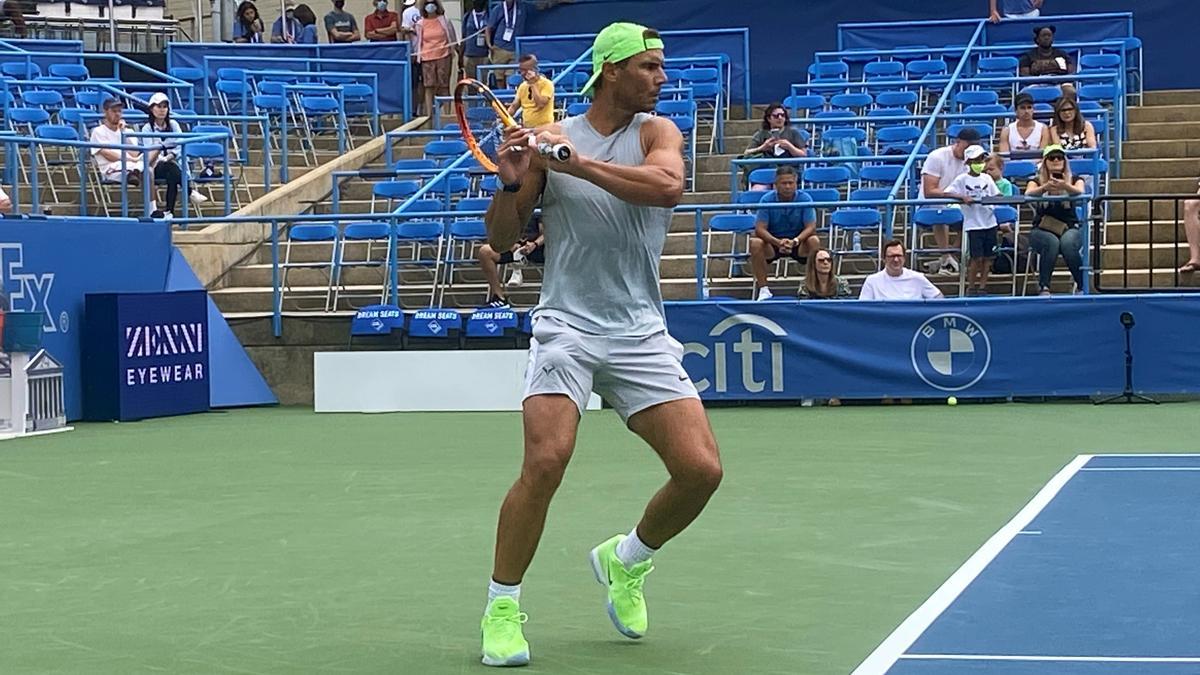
<point x="535" y="96"/>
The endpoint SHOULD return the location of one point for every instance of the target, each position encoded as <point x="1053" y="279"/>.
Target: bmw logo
<point x="951" y="352"/>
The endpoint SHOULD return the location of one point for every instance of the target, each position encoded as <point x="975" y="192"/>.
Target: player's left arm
<point x="656" y="182"/>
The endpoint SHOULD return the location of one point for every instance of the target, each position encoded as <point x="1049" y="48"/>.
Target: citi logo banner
<point x="165" y="339"/>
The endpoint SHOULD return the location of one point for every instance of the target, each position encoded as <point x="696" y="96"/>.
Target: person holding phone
<point x="776" y="139"/>
<point x="1056" y="224"/>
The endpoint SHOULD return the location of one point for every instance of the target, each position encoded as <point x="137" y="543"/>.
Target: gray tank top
<point x="602" y="254"/>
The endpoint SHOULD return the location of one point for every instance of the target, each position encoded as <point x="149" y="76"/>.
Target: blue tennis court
<point x="1098" y="575"/>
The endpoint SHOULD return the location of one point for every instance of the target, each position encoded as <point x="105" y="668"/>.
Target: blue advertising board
<point x="145" y="355"/>
<point x="1070" y="346"/>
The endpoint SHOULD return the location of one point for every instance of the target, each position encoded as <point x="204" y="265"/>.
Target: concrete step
<point x="1160" y="168"/>
<point x="1165" y="211"/>
<point x="714" y="163"/>
<point x="1163" y="277"/>
<point x="1160" y="149"/>
<point x="742" y="127"/>
<point x="1165" y="113"/>
<point x="1146" y="186"/>
<point x="1168" y="97"/>
<point x="1154" y="131"/>
<point x="1117" y="232"/>
<point x="1138" y="256"/>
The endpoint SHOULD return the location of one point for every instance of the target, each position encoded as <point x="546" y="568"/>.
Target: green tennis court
<point x="279" y="541"/>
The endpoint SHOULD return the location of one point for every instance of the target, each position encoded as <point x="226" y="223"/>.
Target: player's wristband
<point x="515" y="187"/>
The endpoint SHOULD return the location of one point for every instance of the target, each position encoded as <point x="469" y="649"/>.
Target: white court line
<point x="1147" y="454"/>
<point x="1141" y="468"/>
<point x="1030" y="532"/>
<point x="894" y="646"/>
<point x="1076" y="659"/>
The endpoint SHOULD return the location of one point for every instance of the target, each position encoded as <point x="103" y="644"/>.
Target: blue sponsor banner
<point x="1070" y="346"/>
<point x="435" y="323"/>
<point x="491" y="322"/>
<point x="146" y="355"/>
<point x="48" y="264"/>
<point x="377" y="320"/>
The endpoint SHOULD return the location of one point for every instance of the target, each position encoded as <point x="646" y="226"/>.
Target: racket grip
<point x="560" y="152"/>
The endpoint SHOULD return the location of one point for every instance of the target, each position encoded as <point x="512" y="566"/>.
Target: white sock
<point x="632" y="550"/>
<point x="497" y="590"/>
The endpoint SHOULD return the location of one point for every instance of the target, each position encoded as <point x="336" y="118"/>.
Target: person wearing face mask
<point x="474" y="50"/>
<point x="340" y="25"/>
<point x="979" y="220"/>
<point x="382" y="25"/>
<point x="435" y="35"/>
<point x="248" y="28"/>
<point x="286" y="28"/>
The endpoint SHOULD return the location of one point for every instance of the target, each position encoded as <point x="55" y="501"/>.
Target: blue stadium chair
<point x="826" y="177"/>
<point x="847" y="220"/>
<point x="457" y="185"/>
<point x="76" y="117"/>
<point x="430" y="325"/>
<point x="465" y="235"/>
<point x="515" y="80"/>
<point x="489" y="185"/>
<point x="229" y="96"/>
<point x="309" y="233"/>
<point x="1043" y="110"/>
<point x="20" y="70"/>
<point x="737" y="227"/>
<point x="762" y="177"/>
<point x="580" y="108"/>
<point x="45" y="99"/>
<point x="878" y="69"/>
<point x="989" y="109"/>
<point x="976" y="97"/>
<point x="422" y="241"/>
<point x="859" y="135"/>
<point x="998" y="66"/>
<point x="927" y="217"/>
<point x="492" y="322"/>
<point x="925" y="68"/>
<point x="369" y="236"/>
<point x="574" y="81"/>
<point x="271" y="87"/>
<point x="883" y="174"/>
<point x="750" y="197"/>
<point x="1094" y="64"/>
<point x="1083" y="166"/>
<point x="72" y="71"/>
<point x="1099" y="93"/>
<point x="1020" y="170"/>
<point x="872" y="194"/>
<point x="58" y="132"/>
<point x="674" y="77"/>
<point x="1043" y="93"/>
<point x="25" y="119"/>
<point x="91" y="98"/>
<point x="985" y="131"/>
<point x="852" y="101"/>
<point x="828" y="71"/>
<point x="884" y="113"/>
<point x="803" y="105"/>
<point x="439" y="150"/>
<point x="676" y="107"/>
<point x="426" y="205"/>
<point x="921" y="53"/>
<point x="886" y="137"/>
<point x="706" y="87"/>
<point x="392" y="191"/>
<point x="896" y="99"/>
<point x="414" y="165"/>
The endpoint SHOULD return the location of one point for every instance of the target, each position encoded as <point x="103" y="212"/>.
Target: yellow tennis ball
<point x="953" y="400"/>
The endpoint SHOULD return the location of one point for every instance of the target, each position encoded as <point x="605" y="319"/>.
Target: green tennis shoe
<point x="503" y="642"/>
<point x="626" y="604"/>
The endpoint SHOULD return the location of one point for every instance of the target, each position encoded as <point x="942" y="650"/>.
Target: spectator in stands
<point x="820" y="283"/>
<point x="474" y="50"/>
<point x="1044" y="59"/>
<point x="895" y="281"/>
<point x="531" y="247"/>
<point x="382" y="25"/>
<point x="14" y="11"/>
<point x="435" y="35"/>
<point x="409" y="18"/>
<point x="1068" y="128"/>
<point x="1026" y="134"/>
<point x="5" y="202"/>
<point x="979" y="220"/>
<point x="287" y="28"/>
<point x="1056" y="223"/>
<point x="995" y="169"/>
<point x="789" y="232"/>
<point x="248" y="28"/>
<point x="110" y="160"/>
<point x="776" y="139"/>
<point x="165" y="161"/>
<point x="941" y="167"/>
<point x="535" y="95"/>
<point x="340" y="25"/>
<point x="1014" y="9"/>
<point x="1191" y="228"/>
<point x="308" y="25"/>
<point x="505" y="24"/>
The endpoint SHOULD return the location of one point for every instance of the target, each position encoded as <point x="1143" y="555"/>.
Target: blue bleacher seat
<point x="1020" y="169"/>
<point x="925" y="68"/>
<point x="71" y="71"/>
<point x="765" y="176"/>
<point x="492" y="322"/>
<point x="435" y="324"/>
<point x="1043" y="93"/>
<point x="42" y="98"/>
<point x="801" y="105"/>
<point x="880" y="173"/>
<point x="1099" y="62"/>
<point x="1097" y="92"/>
<point x="851" y="100"/>
<point x="976" y="97"/>
<point x="750" y="196"/>
<point x="828" y="71"/>
<point x="1083" y="166"/>
<point x="877" y="69"/>
<point x="443" y="149"/>
<point x="21" y="70"/>
<point x="896" y="99"/>
<point x="578" y="108"/>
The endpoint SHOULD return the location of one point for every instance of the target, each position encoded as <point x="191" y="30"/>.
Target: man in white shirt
<point x="109" y="160"/>
<point x="409" y="19"/>
<point x="895" y="282"/>
<point x="941" y="167"/>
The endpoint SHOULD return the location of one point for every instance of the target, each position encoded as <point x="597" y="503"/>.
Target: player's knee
<point x="544" y="472"/>
<point x="703" y="477"/>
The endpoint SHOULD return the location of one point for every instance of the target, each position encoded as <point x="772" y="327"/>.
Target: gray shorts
<point x="630" y="373"/>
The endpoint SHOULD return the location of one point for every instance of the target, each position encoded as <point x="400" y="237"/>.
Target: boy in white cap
<point x="979" y="220"/>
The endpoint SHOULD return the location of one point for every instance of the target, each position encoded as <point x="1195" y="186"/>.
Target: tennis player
<point x="599" y="326"/>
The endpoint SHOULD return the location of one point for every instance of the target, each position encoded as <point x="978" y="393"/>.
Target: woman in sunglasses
<point x="820" y="283"/>
<point x="1068" y="127"/>
<point x="777" y="139"/>
<point x="1056" y="223"/>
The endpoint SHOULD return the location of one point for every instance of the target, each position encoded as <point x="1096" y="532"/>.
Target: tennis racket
<point x="469" y="88"/>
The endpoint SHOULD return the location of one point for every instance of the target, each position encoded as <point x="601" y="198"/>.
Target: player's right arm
<point x="509" y="211"/>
